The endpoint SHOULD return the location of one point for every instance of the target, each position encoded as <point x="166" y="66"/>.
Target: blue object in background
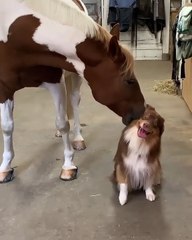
<point x="121" y="11"/>
<point x="121" y="3"/>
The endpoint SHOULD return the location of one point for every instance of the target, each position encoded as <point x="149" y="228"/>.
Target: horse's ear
<point x="115" y="30"/>
<point x="115" y="50"/>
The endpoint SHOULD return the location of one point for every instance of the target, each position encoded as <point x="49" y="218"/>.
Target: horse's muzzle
<point x="127" y="119"/>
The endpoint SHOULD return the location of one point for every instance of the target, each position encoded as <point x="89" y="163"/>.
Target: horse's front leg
<point x="69" y="170"/>
<point x="7" y="125"/>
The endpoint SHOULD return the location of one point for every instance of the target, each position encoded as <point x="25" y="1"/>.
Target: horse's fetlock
<point x="68" y="153"/>
<point x="63" y="127"/>
<point x="9" y="155"/>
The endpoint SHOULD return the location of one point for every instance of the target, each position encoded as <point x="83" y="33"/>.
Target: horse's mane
<point x="128" y="65"/>
<point x="66" y="12"/>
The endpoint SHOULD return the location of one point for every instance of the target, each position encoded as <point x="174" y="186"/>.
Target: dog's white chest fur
<point x="136" y="160"/>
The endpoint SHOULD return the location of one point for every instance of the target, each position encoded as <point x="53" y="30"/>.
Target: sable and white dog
<point x="137" y="162"/>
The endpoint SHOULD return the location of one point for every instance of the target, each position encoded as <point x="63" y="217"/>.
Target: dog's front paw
<point x="122" y="198"/>
<point x="150" y="195"/>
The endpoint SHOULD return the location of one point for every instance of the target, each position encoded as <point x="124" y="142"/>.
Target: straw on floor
<point x="166" y="86"/>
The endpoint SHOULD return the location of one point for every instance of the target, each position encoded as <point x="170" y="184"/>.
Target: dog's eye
<point x="146" y="117"/>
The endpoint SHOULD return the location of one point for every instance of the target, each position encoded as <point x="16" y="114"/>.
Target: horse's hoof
<point x="79" y="145"/>
<point x="6" y="177"/>
<point x="68" y="174"/>
<point x="58" y="134"/>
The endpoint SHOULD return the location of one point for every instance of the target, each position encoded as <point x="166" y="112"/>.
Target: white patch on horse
<point x="63" y="41"/>
<point x="70" y="25"/>
<point x="136" y="161"/>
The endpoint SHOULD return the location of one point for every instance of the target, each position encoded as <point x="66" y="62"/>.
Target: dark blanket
<point x="152" y="14"/>
<point x="120" y="11"/>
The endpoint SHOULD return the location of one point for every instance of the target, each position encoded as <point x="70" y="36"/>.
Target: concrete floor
<point x="37" y="205"/>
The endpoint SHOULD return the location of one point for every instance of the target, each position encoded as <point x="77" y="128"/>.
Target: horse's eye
<point x="130" y="81"/>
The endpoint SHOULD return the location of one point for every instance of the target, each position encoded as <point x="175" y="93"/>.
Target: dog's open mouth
<point x="142" y="133"/>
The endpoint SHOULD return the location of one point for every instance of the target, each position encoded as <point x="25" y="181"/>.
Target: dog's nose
<point x="145" y="125"/>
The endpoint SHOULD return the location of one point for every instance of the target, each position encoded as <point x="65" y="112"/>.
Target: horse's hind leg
<point x="73" y="85"/>
<point x="69" y="170"/>
<point x="7" y="125"/>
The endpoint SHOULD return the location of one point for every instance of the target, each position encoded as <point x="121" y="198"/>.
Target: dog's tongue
<point x="142" y="133"/>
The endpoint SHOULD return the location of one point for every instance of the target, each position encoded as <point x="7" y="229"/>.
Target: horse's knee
<point x="7" y="126"/>
<point x="63" y="126"/>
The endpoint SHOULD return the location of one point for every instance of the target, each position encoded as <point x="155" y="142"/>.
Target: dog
<point x="137" y="163"/>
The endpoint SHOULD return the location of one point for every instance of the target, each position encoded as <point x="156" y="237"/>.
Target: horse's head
<point x="109" y="71"/>
<point x="128" y="99"/>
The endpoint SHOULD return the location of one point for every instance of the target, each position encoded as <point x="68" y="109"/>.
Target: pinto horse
<point x="41" y="38"/>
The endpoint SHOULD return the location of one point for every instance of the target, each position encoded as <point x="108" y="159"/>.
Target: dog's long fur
<point x="137" y="163"/>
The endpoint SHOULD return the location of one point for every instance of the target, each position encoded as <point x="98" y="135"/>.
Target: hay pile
<point x="166" y="86"/>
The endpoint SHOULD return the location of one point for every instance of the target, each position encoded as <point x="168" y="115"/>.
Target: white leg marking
<point x="75" y="100"/>
<point x="7" y="126"/>
<point x="123" y="194"/>
<point x="149" y="194"/>
<point x="62" y="124"/>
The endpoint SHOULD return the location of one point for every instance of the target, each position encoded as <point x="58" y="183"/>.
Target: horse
<point x="41" y="38"/>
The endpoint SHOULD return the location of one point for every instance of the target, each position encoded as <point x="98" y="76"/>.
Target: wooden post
<point x="166" y="31"/>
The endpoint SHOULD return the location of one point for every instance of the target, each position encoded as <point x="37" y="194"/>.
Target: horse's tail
<point x="69" y="89"/>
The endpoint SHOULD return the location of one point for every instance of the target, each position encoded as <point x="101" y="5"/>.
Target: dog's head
<point x="150" y="124"/>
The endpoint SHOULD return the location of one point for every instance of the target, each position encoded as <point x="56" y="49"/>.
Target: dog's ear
<point x="161" y="124"/>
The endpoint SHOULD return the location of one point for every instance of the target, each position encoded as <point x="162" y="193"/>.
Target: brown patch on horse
<point x="24" y="63"/>
<point x="32" y="77"/>
<point x="93" y="46"/>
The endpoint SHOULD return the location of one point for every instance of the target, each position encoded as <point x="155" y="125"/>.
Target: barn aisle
<point x="37" y="205"/>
